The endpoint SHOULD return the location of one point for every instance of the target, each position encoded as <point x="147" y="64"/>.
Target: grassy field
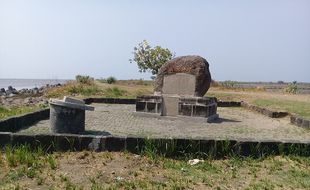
<point x="294" y="103"/>
<point x="300" y="108"/>
<point x="129" y="89"/>
<point x="17" y="110"/>
<point x="22" y="168"/>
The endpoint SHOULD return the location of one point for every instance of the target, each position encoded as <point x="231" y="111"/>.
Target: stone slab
<point x="71" y="103"/>
<point x="180" y="83"/>
<point x="170" y="106"/>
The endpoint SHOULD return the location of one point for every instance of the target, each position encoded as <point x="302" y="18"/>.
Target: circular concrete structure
<point x="68" y="115"/>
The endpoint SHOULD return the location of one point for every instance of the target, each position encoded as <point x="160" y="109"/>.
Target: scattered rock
<point x="10" y="88"/>
<point x="25" y="96"/>
<point x="195" y="161"/>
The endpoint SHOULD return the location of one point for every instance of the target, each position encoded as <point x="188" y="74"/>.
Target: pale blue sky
<point x="257" y="40"/>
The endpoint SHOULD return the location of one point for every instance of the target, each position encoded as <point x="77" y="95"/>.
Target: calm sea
<point x="28" y="83"/>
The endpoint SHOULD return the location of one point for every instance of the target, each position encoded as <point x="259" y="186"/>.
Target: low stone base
<point x="197" y="106"/>
<point x="187" y="106"/>
<point x="149" y="103"/>
<point x="197" y="120"/>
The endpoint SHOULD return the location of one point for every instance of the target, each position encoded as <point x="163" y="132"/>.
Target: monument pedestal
<point x="178" y="99"/>
<point x="178" y="106"/>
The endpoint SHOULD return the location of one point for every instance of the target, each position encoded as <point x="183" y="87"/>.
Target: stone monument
<point x="68" y="115"/>
<point x="179" y="88"/>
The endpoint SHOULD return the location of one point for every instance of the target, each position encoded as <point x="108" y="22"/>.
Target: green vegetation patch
<point x="85" y="90"/>
<point x="298" y="107"/>
<point x="114" y="92"/>
<point x="7" y="112"/>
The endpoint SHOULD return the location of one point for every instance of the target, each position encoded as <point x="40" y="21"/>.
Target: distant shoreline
<point x="30" y="83"/>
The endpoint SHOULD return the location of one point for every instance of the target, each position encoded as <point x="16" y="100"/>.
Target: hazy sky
<point x="257" y="40"/>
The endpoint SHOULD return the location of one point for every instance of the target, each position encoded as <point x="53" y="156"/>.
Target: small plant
<point x="150" y="149"/>
<point x="229" y="84"/>
<point x="84" y="89"/>
<point x="292" y="88"/>
<point x="40" y="181"/>
<point x="84" y="79"/>
<point x="52" y="162"/>
<point x="111" y="80"/>
<point x="10" y="156"/>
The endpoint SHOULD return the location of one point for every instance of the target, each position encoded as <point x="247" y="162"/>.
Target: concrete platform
<point x="234" y="123"/>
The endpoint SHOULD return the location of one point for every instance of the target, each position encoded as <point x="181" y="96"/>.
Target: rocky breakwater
<point x="12" y="97"/>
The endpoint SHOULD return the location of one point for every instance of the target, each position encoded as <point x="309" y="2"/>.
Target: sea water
<point x="29" y="83"/>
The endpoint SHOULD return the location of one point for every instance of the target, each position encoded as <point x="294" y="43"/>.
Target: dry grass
<point x="129" y="89"/>
<point x="293" y="103"/>
<point x="112" y="170"/>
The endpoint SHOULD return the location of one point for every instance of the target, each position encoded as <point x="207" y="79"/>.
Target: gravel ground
<point x="234" y="123"/>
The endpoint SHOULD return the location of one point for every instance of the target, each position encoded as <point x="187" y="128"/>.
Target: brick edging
<point x="15" y="123"/>
<point x="228" y="104"/>
<point x="264" y="111"/>
<point x="300" y="122"/>
<point x="171" y="147"/>
<point x="294" y="119"/>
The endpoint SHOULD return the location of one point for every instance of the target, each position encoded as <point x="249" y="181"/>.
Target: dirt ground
<point x="111" y="170"/>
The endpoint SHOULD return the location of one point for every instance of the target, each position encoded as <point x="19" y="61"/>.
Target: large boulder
<point x="192" y="64"/>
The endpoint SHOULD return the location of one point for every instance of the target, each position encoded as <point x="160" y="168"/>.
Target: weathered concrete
<point x="170" y="106"/>
<point x="67" y="120"/>
<point x="68" y="115"/>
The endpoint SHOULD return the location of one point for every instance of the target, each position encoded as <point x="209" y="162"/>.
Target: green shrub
<point x="84" y="89"/>
<point x="229" y="84"/>
<point x="102" y="80"/>
<point x="292" y="88"/>
<point x="84" y="79"/>
<point x="52" y="162"/>
<point x="111" y="80"/>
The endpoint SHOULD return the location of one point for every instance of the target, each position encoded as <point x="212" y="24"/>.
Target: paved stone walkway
<point x="234" y="123"/>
